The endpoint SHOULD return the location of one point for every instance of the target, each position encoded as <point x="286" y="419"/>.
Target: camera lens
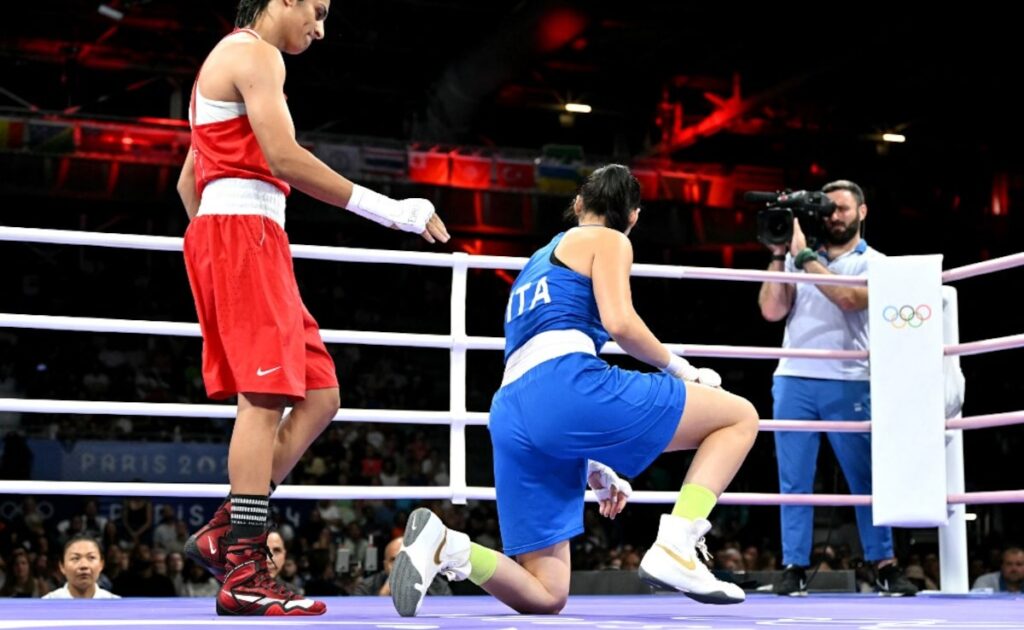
<point x="774" y="226"/>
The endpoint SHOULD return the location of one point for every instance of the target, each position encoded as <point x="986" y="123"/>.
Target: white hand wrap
<point x="681" y="369"/>
<point x="408" y="215"/>
<point x="609" y="480"/>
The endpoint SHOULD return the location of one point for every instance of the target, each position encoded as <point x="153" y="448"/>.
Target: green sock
<point x="694" y="502"/>
<point x="484" y="562"/>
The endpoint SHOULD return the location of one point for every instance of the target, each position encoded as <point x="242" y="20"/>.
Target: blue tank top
<point x="547" y="296"/>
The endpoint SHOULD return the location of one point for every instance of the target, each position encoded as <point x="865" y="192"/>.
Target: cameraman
<point x="826" y="317"/>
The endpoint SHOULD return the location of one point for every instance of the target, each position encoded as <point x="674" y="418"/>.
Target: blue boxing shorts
<point x="546" y="424"/>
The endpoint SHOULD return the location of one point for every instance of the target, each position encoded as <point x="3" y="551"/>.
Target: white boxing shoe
<point x="428" y="548"/>
<point x="672" y="563"/>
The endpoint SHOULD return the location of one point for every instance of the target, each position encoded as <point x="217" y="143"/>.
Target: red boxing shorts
<point x="258" y="336"/>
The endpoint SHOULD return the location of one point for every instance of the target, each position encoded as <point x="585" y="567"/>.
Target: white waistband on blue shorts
<point x="545" y="346"/>
<point x="233" y="195"/>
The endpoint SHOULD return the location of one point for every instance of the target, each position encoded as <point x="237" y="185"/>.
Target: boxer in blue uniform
<point x="564" y="418"/>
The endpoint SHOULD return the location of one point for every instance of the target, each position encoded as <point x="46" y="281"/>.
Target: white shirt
<point x="64" y="593"/>
<point x="816" y="322"/>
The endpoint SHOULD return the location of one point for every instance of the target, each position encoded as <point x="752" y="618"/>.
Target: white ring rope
<point x="393" y="416"/>
<point x="350" y="254"/>
<point x="448" y="342"/>
<point x="187" y="410"/>
<point x="457" y="342"/>
<point x="423" y="259"/>
<point x="170" y="243"/>
<point x="219" y="491"/>
<point x="984" y="346"/>
<point x="987" y="421"/>
<point x="988" y="266"/>
<point x="398" y="416"/>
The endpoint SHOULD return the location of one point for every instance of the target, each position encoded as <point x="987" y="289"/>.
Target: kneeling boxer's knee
<point x="747" y="419"/>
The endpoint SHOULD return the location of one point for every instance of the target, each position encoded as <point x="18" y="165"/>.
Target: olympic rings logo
<point x="907" y="316"/>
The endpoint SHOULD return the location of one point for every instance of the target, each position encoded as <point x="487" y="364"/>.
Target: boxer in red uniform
<point x="259" y="341"/>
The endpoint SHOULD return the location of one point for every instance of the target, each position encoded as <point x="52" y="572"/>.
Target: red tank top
<point x="223" y="142"/>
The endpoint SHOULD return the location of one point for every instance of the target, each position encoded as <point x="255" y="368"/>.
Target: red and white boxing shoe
<point x="249" y="590"/>
<point x="206" y="547"/>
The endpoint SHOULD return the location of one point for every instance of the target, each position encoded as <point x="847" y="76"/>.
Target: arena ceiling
<point x="742" y="84"/>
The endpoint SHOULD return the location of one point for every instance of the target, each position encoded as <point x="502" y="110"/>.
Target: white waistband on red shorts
<point x="545" y="346"/>
<point x="232" y="195"/>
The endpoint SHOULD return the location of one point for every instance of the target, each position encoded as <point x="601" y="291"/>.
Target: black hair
<point x="611" y="192"/>
<point x="248" y="11"/>
<point x="847" y="185"/>
<point x="79" y="538"/>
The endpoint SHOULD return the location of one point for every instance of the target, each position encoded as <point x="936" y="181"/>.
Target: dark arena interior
<point x="496" y="112"/>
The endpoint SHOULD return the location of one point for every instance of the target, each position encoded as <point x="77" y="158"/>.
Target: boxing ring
<point x="950" y="609"/>
<point x="617" y="612"/>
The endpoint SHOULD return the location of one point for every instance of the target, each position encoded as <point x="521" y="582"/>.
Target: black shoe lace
<point x="266" y="582"/>
<point x="255" y="551"/>
<point x="262" y="579"/>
